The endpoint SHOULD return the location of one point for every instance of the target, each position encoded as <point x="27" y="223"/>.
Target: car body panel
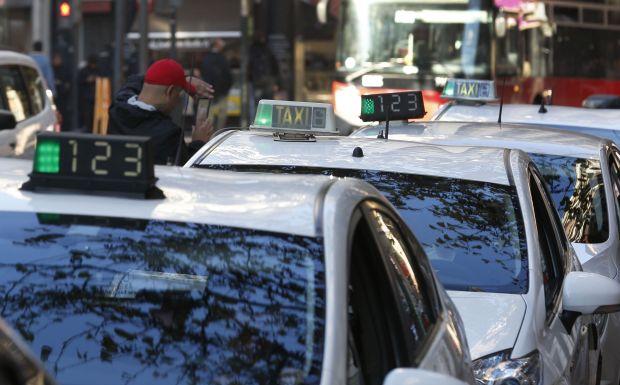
<point x="494" y="320"/>
<point x="528" y="113"/>
<point x="256" y="148"/>
<point x="255" y="202"/>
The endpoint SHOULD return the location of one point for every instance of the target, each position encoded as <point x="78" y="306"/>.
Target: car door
<point x="14" y="97"/>
<point x="392" y="308"/>
<point x="40" y="117"/>
<point x="564" y="352"/>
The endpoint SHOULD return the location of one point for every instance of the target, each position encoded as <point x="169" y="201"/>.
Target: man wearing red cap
<point x="144" y="106"/>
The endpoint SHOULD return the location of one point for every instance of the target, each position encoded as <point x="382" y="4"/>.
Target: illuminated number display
<point x="392" y="106"/>
<point x="92" y="156"/>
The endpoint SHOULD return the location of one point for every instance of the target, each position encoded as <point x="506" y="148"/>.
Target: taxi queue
<point x="407" y="253"/>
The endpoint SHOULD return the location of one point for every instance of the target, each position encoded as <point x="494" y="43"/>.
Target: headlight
<point x="500" y="369"/>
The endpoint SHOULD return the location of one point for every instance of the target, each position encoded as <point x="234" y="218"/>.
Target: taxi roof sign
<point x="297" y="117"/>
<point x="470" y="90"/>
<point x="94" y="164"/>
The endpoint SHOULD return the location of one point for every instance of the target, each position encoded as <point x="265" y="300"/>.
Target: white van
<point x="24" y="93"/>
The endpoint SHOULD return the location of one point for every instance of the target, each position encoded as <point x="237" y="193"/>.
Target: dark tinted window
<point x="108" y="301"/>
<point x="35" y="88"/>
<point x="412" y="291"/>
<point x="552" y="256"/>
<point x="578" y="193"/>
<point x="472" y="232"/>
<point x="373" y="315"/>
<point x="14" y="93"/>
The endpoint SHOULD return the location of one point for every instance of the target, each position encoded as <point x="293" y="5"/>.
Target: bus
<point x="559" y="50"/>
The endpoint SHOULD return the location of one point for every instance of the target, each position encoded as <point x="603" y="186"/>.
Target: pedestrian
<point x="145" y="104"/>
<point x="43" y="62"/>
<point x="63" y="87"/>
<point x="215" y="70"/>
<point x="264" y="70"/>
<point x="87" y="80"/>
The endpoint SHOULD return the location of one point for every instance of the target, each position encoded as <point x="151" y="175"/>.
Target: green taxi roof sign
<point x="297" y="117"/>
<point x="470" y="90"/>
<point x="94" y="164"/>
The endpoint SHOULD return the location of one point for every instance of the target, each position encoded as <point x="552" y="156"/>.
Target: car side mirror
<point x="412" y="376"/>
<point x="588" y="293"/>
<point x="7" y="120"/>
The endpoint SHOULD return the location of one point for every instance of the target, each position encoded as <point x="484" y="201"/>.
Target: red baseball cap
<point x="168" y="72"/>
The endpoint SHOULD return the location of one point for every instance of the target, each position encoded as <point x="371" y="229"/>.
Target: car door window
<point x="374" y="344"/>
<point x="614" y="169"/>
<point x="552" y="250"/>
<point x="36" y="90"/>
<point x="14" y="92"/>
<point x="411" y="288"/>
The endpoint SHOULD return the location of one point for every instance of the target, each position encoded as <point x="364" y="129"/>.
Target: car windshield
<point x="578" y="193"/>
<point x="472" y="232"/>
<point x="115" y="301"/>
<point x="441" y="37"/>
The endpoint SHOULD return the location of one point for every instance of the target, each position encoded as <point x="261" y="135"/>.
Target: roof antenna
<point x="501" y="102"/>
<point x="542" y="109"/>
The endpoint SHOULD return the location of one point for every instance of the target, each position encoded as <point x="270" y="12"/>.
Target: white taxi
<point x="214" y="277"/>
<point x="484" y="219"/>
<point x="26" y="105"/>
<point x="582" y="173"/>
<point x="599" y="122"/>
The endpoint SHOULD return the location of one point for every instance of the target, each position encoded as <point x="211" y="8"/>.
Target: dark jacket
<point x="125" y="119"/>
<point x="216" y="71"/>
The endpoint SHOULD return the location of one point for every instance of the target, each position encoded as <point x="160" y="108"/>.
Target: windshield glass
<point x="112" y="301"/>
<point x="472" y="232"/>
<point x="578" y="193"/>
<point x="442" y="37"/>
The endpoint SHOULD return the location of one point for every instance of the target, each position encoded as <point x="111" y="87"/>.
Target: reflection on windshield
<point x="438" y="37"/>
<point x="472" y="232"/>
<point x="109" y="301"/>
<point x="578" y="193"/>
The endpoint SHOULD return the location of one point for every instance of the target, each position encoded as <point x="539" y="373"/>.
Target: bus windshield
<point x="440" y="37"/>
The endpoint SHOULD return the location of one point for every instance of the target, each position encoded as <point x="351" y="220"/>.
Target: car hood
<point x="492" y="321"/>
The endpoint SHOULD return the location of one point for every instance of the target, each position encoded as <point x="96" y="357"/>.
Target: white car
<point x="599" y="122"/>
<point x="582" y="173"/>
<point x="486" y="223"/>
<point x="23" y="93"/>
<point x="217" y="277"/>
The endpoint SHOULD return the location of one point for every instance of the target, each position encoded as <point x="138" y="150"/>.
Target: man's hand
<point x="203" y="131"/>
<point x="203" y="89"/>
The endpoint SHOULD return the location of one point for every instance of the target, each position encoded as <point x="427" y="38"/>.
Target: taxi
<point x="582" y="173"/>
<point x="115" y="271"/>
<point x="483" y="218"/>
<point x="598" y="122"/>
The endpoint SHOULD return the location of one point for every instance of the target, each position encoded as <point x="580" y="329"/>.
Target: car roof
<point x="11" y="57"/>
<point x="257" y="148"/>
<point x="529" y="138"/>
<point x="276" y="203"/>
<point x="528" y="113"/>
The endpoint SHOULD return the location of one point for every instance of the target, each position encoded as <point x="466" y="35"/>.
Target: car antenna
<point x="177" y="158"/>
<point x="501" y="102"/>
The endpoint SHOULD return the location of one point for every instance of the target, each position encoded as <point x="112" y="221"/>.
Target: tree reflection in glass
<point x="114" y="301"/>
<point x="578" y="193"/>
<point x="471" y="231"/>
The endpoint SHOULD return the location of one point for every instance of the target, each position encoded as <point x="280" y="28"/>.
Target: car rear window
<point x="578" y="192"/>
<point x="115" y="301"/>
<point x="472" y="232"/>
